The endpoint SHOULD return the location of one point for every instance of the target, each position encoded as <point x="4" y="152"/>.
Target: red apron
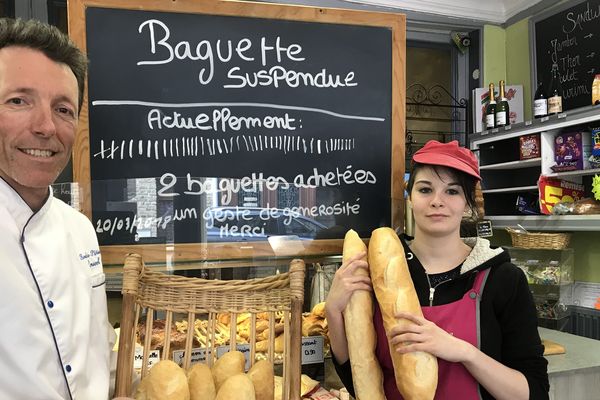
<point x="461" y="318"/>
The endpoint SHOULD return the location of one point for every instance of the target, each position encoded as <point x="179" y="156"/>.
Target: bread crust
<point x="416" y="373"/>
<point x="360" y="331"/>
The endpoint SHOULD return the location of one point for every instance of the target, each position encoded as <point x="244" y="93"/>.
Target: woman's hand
<point x="345" y="282"/>
<point x="418" y="334"/>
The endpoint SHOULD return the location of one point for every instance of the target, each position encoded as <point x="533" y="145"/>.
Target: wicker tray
<point x="149" y="291"/>
<point x="538" y="240"/>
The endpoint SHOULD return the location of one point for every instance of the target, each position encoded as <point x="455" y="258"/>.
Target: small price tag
<point x="198" y="355"/>
<point x="527" y="123"/>
<point x="312" y="349"/>
<point x="562" y="115"/>
<point x="544" y="119"/>
<point x="244" y="348"/>
<point x="484" y="229"/>
<point x="507" y="127"/>
<point x="495" y="130"/>
<point x="138" y="357"/>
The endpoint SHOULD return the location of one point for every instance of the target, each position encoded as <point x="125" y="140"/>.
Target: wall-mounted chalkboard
<point x="241" y="120"/>
<point x="570" y="37"/>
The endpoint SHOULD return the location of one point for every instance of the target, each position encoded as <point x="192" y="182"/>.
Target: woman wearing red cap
<point x="479" y="317"/>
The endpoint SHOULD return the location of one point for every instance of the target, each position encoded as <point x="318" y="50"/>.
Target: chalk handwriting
<point x="576" y="21"/>
<point x="258" y="182"/>
<point x="270" y="51"/>
<point x="220" y="120"/>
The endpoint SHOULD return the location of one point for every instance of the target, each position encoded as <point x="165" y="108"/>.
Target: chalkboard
<point x="241" y="127"/>
<point x="571" y="38"/>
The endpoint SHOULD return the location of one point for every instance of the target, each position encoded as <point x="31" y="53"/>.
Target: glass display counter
<point x="550" y="277"/>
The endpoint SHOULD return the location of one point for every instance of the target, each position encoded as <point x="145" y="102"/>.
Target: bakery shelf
<point x="510" y="189"/>
<point x="547" y="222"/>
<point x="580" y="172"/>
<point x="569" y="118"/>
<point x="513" y="164"/>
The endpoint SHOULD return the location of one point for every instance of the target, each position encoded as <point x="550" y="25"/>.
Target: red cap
<point x="449" y="155"/>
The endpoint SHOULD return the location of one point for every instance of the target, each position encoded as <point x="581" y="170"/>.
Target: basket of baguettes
<point x="416" y="373"/>
<point x="264" y="313"/>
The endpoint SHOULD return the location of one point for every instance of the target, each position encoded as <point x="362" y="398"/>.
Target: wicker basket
<point x="148" y="290"/>
<point x="538" y="240"/>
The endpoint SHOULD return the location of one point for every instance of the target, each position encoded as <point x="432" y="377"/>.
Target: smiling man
<point x="55" y="330"/>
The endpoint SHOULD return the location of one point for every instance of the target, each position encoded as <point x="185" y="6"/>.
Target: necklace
<point x="435" y="279"/>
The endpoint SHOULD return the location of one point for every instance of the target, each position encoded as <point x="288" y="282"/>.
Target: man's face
<point x="38" y="119"/>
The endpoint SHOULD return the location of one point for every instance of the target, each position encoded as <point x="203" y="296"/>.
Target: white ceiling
<point x="493" y="11"/>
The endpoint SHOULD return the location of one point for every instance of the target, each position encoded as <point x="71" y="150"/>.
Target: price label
<point x="507" y="127"/>
<point x="138" y="357"/>
<point x="527" y="123"/>
<point x="562" y="115"/>
<point x="484" y="229"/>
<point x="495" y="130"/>
<point x="312" y="349"/>
<point x="199" y="355"/>
<point x="544" y="119"/>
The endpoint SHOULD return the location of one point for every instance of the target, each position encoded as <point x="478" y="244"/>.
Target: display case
<point x="550" y="277"/>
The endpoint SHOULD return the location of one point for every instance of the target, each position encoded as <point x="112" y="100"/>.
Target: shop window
<point x="57" y="14"/>
<point x="7" y="8"/>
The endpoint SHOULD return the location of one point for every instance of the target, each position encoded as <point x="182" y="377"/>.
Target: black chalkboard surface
<point x="571" y="38"/>
<point x="214" y="110"/>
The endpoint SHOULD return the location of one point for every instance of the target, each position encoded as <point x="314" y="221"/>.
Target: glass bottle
<point x="502" y="109"/>
<point x="555" y="92"/>
<point x="540" y="102"/>
<point x="490" y="110"/>
<point x="596" y="90"/>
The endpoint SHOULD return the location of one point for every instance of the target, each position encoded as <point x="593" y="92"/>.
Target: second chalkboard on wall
<point x="569" y="37"/>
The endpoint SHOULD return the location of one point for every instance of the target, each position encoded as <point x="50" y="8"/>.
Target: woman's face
<point x="438" y="202"/>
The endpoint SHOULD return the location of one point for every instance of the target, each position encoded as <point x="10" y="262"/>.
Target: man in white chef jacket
<point x="56" y="339"/>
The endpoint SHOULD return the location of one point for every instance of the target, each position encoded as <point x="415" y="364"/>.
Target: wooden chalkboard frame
<point x="115" y="254"/>
<point x="533" y="51"/>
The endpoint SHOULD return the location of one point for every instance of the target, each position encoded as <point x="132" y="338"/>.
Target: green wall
<point x="518" y="70"/>
<point x="506" y="56"/>
<point x="494" y="55"/>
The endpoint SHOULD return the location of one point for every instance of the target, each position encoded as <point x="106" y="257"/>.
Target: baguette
<point x="416" y="373"/>
<point x="360" y="332"/>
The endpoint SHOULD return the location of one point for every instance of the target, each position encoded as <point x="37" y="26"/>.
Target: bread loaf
<point x="229" y="364"/>
<point x="416" y="372"/>
<point x="201" y="383"/>
<point x="262" y="377"/>
<point x="165" y="381"/>
<point x="360" y="332"/>
<point x="236" y="387"/>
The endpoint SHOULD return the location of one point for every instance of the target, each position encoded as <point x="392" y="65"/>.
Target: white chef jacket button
<point x="472" y="295"/>
<point x="68" y="368"/>
<point x="50" y="304"/>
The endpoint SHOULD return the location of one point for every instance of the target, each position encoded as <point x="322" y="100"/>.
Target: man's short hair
<point x="49" y="40"/>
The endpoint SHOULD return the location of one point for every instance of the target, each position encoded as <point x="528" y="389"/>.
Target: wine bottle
<point x="596" y="90"/>
<point x="540" y="102"/>
<point x="502" y="109"/>
<point x="490" y="110"/>
<point x="555" y="93"/>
